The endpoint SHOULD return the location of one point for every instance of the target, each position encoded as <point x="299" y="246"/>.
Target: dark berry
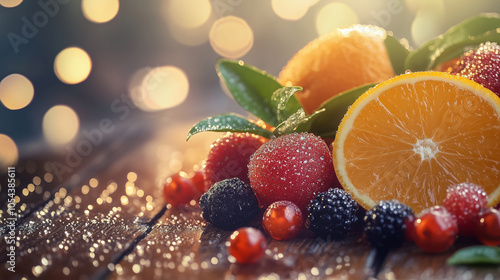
<point x="481" y="65"/>
<point x="464" y="201"/>
<point x="332" y="214"/>
<point x="247" y="245"/>
<point x="229" y="204"/>
<point x="385" y="224"/>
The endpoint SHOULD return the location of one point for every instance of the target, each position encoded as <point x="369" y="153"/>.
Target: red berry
<point x="178" y="190"/>
<point x="464" y="201"/>
<point x="229" y="157"/>
<point x="410" y="227"/>
<point x="294" y="167"/>
<point x="283" y="220"/>
<point x="198" y="180"/>
<point x="481" y="65"/>
<point x="247" y="245"/>
<point x="488" y="228"/>
<point x="435" y="230"/>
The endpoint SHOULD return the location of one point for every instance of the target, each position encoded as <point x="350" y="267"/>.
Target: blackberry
<point x="332" y="214"/>
<point x="385" y="224"/>
<point x="229" y="204"/>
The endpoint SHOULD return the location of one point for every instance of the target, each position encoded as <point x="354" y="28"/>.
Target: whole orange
<point x="338" y="61"/>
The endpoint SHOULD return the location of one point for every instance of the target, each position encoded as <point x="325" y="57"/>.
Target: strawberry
<point x="293" y="167"/>
<point x="465" y="201"/>
<point x="481" y="65"/>
<point x="229" y="157"/>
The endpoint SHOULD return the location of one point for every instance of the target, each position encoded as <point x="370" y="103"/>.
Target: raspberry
<point x="293" y="167"/>
<point x="229" y="157"/>
<point x="481" y="65"/>
<point x="332" y="214"/>
<point x="283" y="220"/>
<point x="247" y="245"/>
<point x="435" y="230"/>
<point x="488" y="227"/>
<point x="385" y="224"/>
<point x="229" y="204"/>
<point x="464" y="201"/>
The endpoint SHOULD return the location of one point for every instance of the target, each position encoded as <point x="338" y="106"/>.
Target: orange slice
<point x="412" y="136"/>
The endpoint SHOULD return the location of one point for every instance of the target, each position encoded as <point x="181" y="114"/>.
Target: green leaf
<point x="228" y="123"/>
<point x="397" y="53"/>
<point x="285" y="102"/>
<point x="327" y="123"/>
<point x="251" y="88"/>
<point x="297" y="122"/>
<point x="476" y="255"/>
<point x="455" y="41"/>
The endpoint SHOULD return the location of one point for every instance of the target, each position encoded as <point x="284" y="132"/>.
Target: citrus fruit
<point x="411" y="137"/>
<point x="337" y="61"/>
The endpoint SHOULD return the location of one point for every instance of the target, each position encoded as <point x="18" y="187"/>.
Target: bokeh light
<point x="231" y="37"/>
<point x="159" y="88"/>
<point x="188" y="13"/>
<point x="60" y="125"/>
<point x="335" y="15"/>
<point x="72" y="65"/>
<point x="426" y="25"/>
<point x="100" y="11"/>
<point x="290" y="9"/>
<point x="8" y="153"/>
<point x="10" y="3"/>
<point x="16" y="91"/>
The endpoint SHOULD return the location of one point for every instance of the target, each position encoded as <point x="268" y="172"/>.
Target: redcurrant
<point x="178" y="189"/>
<point x="435" y="230"/>
<point x="199" y="181"/>
<point x="247" y="245"/>
<point x="488" y="229"/>
<point x="283" y="220"/>
<point x="410" y="227"/>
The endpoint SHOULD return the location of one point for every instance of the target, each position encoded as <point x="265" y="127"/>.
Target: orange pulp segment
<point x="411" y="137"/>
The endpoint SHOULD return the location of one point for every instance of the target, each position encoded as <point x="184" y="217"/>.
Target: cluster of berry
<point x="244" y="173"/>
<point x="463" y="212"/>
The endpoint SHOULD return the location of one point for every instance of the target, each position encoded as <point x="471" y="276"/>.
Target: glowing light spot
<point x="60" y="125"/>
<point x="100" y="11"/>
<point x="290" y="9"/>
<point x="231" y="37"/>
<point x="93" y="182"/>
<point x="8" y="153"/>
<point x="16" y="91"/>
<point x="124" y="200"/>
<point x="132" y="176"/>
<point x="85" y="189"/>
<point x="335" y="15"/>
<point x="10" y="3"/>
<point x="426" y="25"/>
<point x="136" y="268"/>
<point x="161" y="88"/>
<point x="72" y="65"/>
<point x="48" y="177"/>
<point x="183" y="13"/>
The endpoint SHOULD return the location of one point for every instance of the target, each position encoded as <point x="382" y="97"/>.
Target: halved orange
<point x="411" y="137"/>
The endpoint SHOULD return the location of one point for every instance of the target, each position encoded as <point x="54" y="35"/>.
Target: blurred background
<point x="84" y="68"/>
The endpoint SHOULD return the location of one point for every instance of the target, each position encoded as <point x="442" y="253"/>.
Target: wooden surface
<point x="106" y="219"/>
